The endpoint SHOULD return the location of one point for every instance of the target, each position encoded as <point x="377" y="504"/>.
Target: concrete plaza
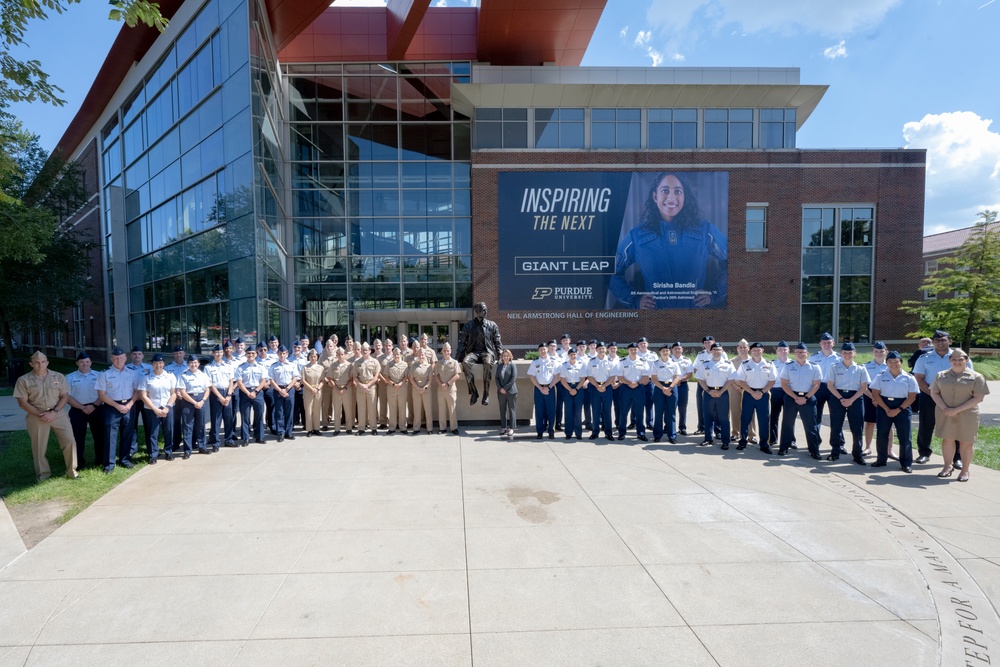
<point x="468" y="550"/>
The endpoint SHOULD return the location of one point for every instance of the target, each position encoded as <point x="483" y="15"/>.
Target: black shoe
<point x="958" y="464"/>
<point x="656" y="439"/>
<point x="281" y="438"/>
<point x="700" y="431"/>
<point x="474" y="397"/>
<point x="609" y="437"/>
<point x="289" y="437"/>
<point x="593" y="436"/>
<point x="922" y="459"/>
<point x="391" y="432"/>
<point x="793" y="446"/>
<point x="558" y="427"/>
<point x="552" y="436"/>
<point x="374" y="431"/>
<point x="244" y="443"/>
<point x="672" y="441"/>
<point x="486" y="400"/>
<point x="843" y="450"/>
<point x="126" y="464"/>
<point x="169" y="456"/>
<point x="455" y="432"/>
<point x="260" y="442"/>
<point x="725" y="445"/>
<point x="621" y="437"/>
<point x="152" y="462"/>
<point x="643" y="438"/>
<point x="215" y="449"/>
<point x="186" y="455"/>
<point x="766" y="449"/>
<point x="860" y="460"/>
<point x="705" y="443"/>
<point x="108" y="470"/>
<point x="907" y="469"/>
<point x="782" y="452"/>
<point x="204" y="451"/>
<point x="752" y="441"/>
<point x="741" y="446"/>
<point x="879" y="464"/>
<point x="816" y="456"/>
<point x="325" y="429"/>
<point x="831" y="457"/>
<point x="683" y="431"/>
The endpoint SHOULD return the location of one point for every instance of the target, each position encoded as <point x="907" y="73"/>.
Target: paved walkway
<point x="466" y="550"/>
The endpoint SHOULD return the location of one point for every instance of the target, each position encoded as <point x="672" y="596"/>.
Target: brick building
<point x="296" y="167"/>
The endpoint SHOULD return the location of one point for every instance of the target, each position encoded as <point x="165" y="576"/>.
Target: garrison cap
<point x="879" y="346"/>
<point x="227" y="343"/>
<point x="892" y="355"/>
<point x="801" y="346"/>
<point x="941" y="334"/>
<point x="782" y="343"/>
<point x="178" y="348"/>
<point x="848" y="346"/>
<point x="82" y="355"/>
<point x="117" y="351"/>
<point x="826" y="336"/>
<point x="136" y="348"/>
<point x="282" y="348"/>
<point x="39" y="356"/>
<point x="216" y="348"/>
<point x="239" y="341"/>
<point x="271" y="337"/>
<point x="261" y="344"/>
<point x="157" y="357"/>
<point x="191" y="358"/>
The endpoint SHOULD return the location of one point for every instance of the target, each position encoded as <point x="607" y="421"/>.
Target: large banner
<point x="613" y="240"/>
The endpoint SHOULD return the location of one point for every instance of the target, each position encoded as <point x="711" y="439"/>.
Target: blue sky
<point x="918" y="73"/>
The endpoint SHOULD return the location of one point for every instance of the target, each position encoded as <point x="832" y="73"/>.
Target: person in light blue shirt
<point x="220" y="400"/>
<point x="284" y="381"/>
<point x="193" y="391"/>
<point x="158" y="393"/>
<point x="253" y="379"/>
<point x="85" y="409"/>
<point x="800" y="380"/>
<point x="118" y="388"/>
<point x="894" y="391"/>
<point x="846" y="381"/>
<point x="825" y="359"/>
<point x="874" y="367"/>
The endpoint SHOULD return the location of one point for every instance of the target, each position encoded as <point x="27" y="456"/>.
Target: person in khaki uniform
<point x="365" y="375"/>
<point x="421" y="376"/>
<point x="338" y="380"/>
<point x="43" y="394"/>
<point x="447" y="371"/>
<point x="426" y="348"/>
<point x="380" y="354"/>
<point x="395" y="376"/>
<point x="407" y="354"/>
<point x="312" y="393"/>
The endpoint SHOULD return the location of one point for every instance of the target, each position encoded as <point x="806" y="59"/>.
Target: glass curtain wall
<point x="380" y="191"/>
<point x="176" y="175"/>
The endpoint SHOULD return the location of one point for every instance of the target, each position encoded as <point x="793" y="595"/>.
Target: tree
<point x="968" y="301"/>
<point x="25" y="80"/>
<point x="43" y="266"/>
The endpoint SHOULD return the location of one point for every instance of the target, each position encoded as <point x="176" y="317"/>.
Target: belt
<point x="283" y="386"/>
<point x="801" y="393"/>
<point x="341" y="386"/>
<point x="847" y="391"/>
<point x="757" y="388"/>
<point x="122" y="402"/>
<point x="714" y="388"/>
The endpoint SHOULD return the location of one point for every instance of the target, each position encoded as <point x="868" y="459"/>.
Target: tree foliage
<point x="966" y="285"/>
<point x="25" y="80"/>
<point x="43" y="266"/>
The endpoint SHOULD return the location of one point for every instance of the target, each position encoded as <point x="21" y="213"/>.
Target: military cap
<point x="216" y="348"/>
<point x="941" y="334"/>
<point x="781" y="343"/>
<point x="879" y="346"/>
<point x="707" y="338"/>
<point x="801" y="346"/>
<point x="848" y="346"/>
<point x="136" y="348"/>
<point x="82" y="355"/>
<point x="757" y="346"/>
<point x="631" y="345"/>
<point x="157" y="357"/>
<point x="892" y="355"/>
<point x="826" y="336"/>
<point x="117" y="351"/>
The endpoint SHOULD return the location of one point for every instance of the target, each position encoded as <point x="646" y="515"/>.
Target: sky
<point x="902" y="73"/>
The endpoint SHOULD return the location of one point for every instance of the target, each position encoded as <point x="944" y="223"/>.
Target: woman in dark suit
<point x="506" y="377"/>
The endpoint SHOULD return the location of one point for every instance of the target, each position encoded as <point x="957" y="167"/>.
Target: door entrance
<point x="440" y="325"/>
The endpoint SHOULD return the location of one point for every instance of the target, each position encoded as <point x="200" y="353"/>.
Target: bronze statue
<point x="479" y="343"/>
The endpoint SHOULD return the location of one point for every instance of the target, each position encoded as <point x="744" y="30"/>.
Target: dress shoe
<point x="725" y="445"/>
<point x="473" y="398"/>
<point x="920" y="459"/>
<point x="683" y="431"/>
<point x="169" y="456"/>
<point x="893" y="457"/>
<point x="108" y="470"/>
<point x="907" y="469"/>
<point x="374" y="432"/>
<point x="127" y="464"/>
<point x="186" y="455"/>
<point x="643" y="438"/>
<point x="879" y="464"/>
<point x="215" y="449"/>
<point x="958" y="464"/>
<point x="656" y="439"/>
<point x="705" y="443"/>
<point x="815" y="455"/>
<point x="843" y="450"/>
<point x="152" y="462"/>
<point x="831" y="457"/>
<point x="593" y="436"/>
<point x="455" y="432"/>
<point x="766" y="449"/>
<point x="391" y="432"/>
<point x="558" y="427"/>
<point x="244" y="443"/>
<point x="289" y="437"/>
<point x="552" y="436"/>
<point x="281" y="438"/>
<point x="741" y="446"/>
<point x="486" y="400"/>
<point x="793" y="446"/>
<point x="700" y="431"/>
<point x="672" y="441"/>
<point x="260" y="442"/>
<point x="782" y="452"/>
<point x="860" y="460"/>
<point x="621" y="437"/>
<point x="204" y="451"/>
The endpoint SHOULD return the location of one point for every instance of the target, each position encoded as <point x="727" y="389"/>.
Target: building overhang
<point x="466" y="97"/>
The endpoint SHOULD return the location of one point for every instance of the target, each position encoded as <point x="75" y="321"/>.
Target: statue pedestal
<point x="490" y="414"/>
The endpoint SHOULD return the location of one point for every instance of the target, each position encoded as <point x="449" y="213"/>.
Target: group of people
<point x="361" y="388"/>
<point x="588" y="387"/>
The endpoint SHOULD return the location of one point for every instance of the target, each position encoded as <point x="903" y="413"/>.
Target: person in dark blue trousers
<point x="193" y="391"/>
<point x="664" y="379"/>
<point x="778" y="395"/>
<point x="756" y="376"/>
<point x="847" y="382"/>
<point x="118" y="389"/>
<point x="572" y="376"/>
<point x="542" y="374"/>
<point x="252" y="379"/>
<point x="683" y="388"/>
<point x="894" y="391"/>
<point x="284" y="380"/>
<point x="715" y="377"/>
<point x="634" y="376"/>
<point x="601" y="375"/>
<point x="800" y="379"/>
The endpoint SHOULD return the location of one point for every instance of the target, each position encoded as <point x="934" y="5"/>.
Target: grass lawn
<point x="18" y="484"/>
<point x="987" y="449"/>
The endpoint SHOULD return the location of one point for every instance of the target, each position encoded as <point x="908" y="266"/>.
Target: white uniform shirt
<point x="756" y="375"/>
<point x="195" y="383"/>
<point x="177" y="370"/>
<point x="82" y="387"/>
<point x="684" y="363"/>
<point x="848" y="378"/>
<point x="706" y="355"/>
<point x="715" y="373"/>
<point x="665" y="371"/>
<point x="633" y="370"/>
<point x="800" y="376"/>
<point x="895" y="387"/>
<point x="572" y="373"/>
<point x="601" y="370"/>
<point x="159" y="388"/>
<point x="543" y="370"/>
<point x="118" y="385"/>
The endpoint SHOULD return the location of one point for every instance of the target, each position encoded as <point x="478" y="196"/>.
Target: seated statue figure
<point x="479" y="343"/>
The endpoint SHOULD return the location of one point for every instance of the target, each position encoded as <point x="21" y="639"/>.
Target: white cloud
<point x="838" y="50"/>
<point x="678" y="57"/>
<point x="623" y="32"/>
<point x="655" y="56"/>
<point x="963" y="166"/>
<point x="441" y="3"/>
<point x="781" y="16"/>
<point x="642" y="37"/>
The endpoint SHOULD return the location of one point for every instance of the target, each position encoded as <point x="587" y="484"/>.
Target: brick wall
<point x="764" y="287"/>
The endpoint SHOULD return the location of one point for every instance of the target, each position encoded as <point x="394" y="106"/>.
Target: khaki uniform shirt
<point x="446" y="370"/>
<point x="340" y="373"/>
<point x="420" y="372"/>
<point x="396" y="372"/>
<point x="366" y="371"/>
<point x="41" y="392"/>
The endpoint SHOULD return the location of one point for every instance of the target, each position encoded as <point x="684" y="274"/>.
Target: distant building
<point x="287" y="166"/>
<point x="940" y="246"/>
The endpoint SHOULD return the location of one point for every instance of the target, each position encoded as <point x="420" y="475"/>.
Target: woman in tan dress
<point x="957" y="394"/>
<point x="312" y="393"/>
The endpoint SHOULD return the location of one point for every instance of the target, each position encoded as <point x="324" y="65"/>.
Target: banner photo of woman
<point x="613" y="240"/>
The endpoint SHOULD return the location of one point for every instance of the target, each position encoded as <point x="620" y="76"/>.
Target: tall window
<point x="837" y="270"/>
<point x="777" y="128"/>
<point x="756" y="229"/>
<point x="728" y="128"/>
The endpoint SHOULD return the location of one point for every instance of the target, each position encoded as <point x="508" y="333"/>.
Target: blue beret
<point x="782" y="343"/>
<point x="879" y="346"/>
<point x="178" y="348"/>
<point x="801" y="346"/>
<point x="826" y="336"/>
<point x="157" y="357"/>
<point x="82" y="355"/>
<point x="847" y="346"/>
<point x="941" y="334"/>
<point x="117" y="351"/>
<point x="892" y="355"/>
